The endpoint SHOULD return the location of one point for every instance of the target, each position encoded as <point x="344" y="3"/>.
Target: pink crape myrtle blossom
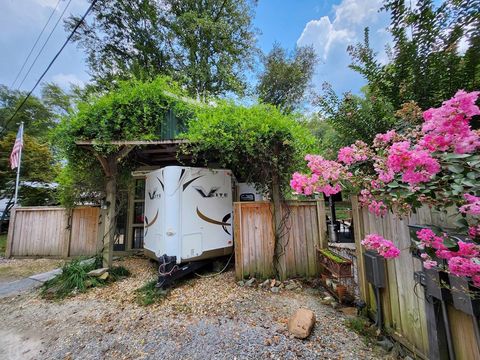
<point x="448" y="127"/>
<point x="325" y="177"/>
<point x="468" y="250"/>
<point x="473" y="205"/>
<point x="476" y="280"/>
<point x="429" y="239"/>
<point x="353" y="153"/>
<point x="428" y="264"/>
<point x="384" y="247"/>
<point x="376" y="207"/>
<point x="416" y="165"/>
<point x="474" y="231"/>
<point x="382" y="139"/>
<point x="461" y="266"/>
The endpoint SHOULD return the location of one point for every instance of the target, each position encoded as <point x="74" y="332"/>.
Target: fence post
<point x="358" y="234"/>
<point x="237" y="240"/>
<point x="11" y="229"/>
<point x="67" y="236"/>
<point x="322" y="224"/>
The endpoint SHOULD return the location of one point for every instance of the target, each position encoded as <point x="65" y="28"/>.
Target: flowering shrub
<point x="384" y="247"/>
<point x="435" y="164"/>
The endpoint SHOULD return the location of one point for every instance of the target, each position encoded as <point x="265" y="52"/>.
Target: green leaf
<point x="457" y="169"/>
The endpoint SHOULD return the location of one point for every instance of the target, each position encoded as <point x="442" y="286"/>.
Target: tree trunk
<point x="110" y="218"/>
<point x="279" y="253"/>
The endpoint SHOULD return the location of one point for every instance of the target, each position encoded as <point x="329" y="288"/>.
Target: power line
<point x="35" y="44"/>
<point x="51" y="62"/>
<point x="44" y="44"/>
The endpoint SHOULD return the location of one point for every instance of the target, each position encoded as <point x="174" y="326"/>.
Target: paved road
<point x="27" y="284"/>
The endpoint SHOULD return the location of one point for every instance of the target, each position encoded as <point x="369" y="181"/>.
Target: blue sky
<point x="330" y="26"/>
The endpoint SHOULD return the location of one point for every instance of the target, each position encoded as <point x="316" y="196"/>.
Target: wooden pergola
<point x="149" y="154"/>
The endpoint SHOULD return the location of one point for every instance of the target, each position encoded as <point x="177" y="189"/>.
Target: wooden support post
<point x="109" y="229"/>
<point x="11" y="230"/>
<point x="322" y="224"/>
<point x="279" y="258"/>
<point x="67" y="235"/>
<point x="359" y="234"/>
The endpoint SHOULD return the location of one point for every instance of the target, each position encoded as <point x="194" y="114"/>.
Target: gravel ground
<point x="202" y="318"/>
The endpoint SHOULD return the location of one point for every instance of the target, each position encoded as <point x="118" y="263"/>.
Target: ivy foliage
<point x="136" y="110"/>
<point x="258" y="143"/>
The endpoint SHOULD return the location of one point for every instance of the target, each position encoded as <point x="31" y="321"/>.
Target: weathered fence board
<point x="403" y="301"/>
<point x="53" y="232"/>
<point x="304" y="230"/>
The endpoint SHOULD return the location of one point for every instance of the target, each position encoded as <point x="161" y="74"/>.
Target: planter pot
<point x="341" y="291"/>
<point x="336" y="264"/>
<point x="437" y="284"/>
<point x="465" y="296"/>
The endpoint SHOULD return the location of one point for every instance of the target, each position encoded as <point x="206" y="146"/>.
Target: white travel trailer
<point x="188" y="218"/>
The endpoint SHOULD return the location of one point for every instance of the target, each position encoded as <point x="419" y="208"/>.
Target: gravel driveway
<point x="203" y="318"/>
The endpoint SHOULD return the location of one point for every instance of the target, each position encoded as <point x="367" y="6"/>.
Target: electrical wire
<point x="51" y="63"/>
<point x="218" y="273"/>
<point x="35" y="44"/>
<point x="44" y="44"/>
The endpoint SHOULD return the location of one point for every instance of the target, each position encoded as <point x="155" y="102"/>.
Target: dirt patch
<point x="202" y="318"/>
<point x="15" y="269"/>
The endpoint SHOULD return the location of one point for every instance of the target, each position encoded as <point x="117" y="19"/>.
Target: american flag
<point x="17" y="149"/>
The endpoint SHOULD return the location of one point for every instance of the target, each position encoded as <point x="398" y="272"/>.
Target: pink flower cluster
<point x="382" y="139"/>
<point x="416" y="165"/>
<point x="376" y="207"/>
<point x="325" y="177"/>
<point x="384" y="247"/>
<point x="474" y="232"/>
<point x="353" y="153"/>
<point x="448" y="127"/>
<point x="463" y="262"/>
<point x="473" y="205"/>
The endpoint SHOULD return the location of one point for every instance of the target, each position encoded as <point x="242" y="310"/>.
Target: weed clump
<point x="149" y="294"/>
<point x="75" y="279"/>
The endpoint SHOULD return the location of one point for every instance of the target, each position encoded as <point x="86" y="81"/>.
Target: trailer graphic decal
<point x="190" y="181"/>
<point x="204" y="194"/>
<point x="222" y="223"/>
<point x="161" y="183"/>
<point x="148" y="224"/>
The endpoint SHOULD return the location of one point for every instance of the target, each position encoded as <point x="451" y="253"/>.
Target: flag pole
<point x="17" y="182"/>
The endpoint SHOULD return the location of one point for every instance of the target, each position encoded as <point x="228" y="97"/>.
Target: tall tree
<point x="205" y="44"/>
<point x="286" y="77"/>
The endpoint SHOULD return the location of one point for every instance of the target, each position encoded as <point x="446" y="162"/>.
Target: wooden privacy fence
<point x="403" y="301"/>
<point x="53" y="232"/>
<point x="304" y="230"/>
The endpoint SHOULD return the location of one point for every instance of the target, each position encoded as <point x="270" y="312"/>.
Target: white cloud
<point x="66" y="80"/>
<point x="331" y="36"/>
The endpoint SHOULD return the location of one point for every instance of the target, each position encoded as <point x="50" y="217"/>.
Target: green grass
<point x="362" y="326"/>
<point x="74" y="279"/>
<point x="149" y="294"/>
<point x="3" y="244"/>
<point x="333" y="256"/>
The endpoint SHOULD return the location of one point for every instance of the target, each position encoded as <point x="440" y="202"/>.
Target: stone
<point x="350" y="311"/>
<point x="104" y="276"/>
<point x="334" y="304"/>
<point x="291" y="286"/>
<point x="301" y="323"/>
<point x="275" y="289"/>
<point x="250" y="282"/>
<point x="265" y="284"/>
<point x="386" y="344"/>
<point x="241" y="283"/>
<point x="328" y="298"/>
<point x="97" y="272"/>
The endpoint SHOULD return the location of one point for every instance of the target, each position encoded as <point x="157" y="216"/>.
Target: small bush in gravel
<point x="75" y="279"/>
<point x="362" y="326"/>
<point x="149" y="294"/>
